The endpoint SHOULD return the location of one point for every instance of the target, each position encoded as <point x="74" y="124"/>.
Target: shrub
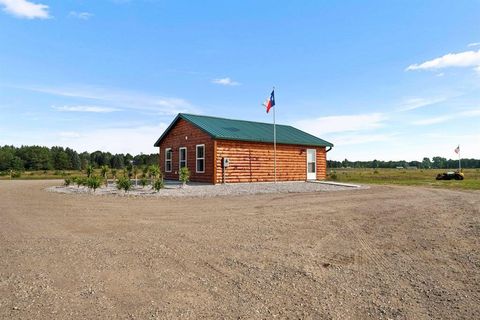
<point x="143" y="182"/>
<point x="154" y="171"/>
<point x="94" y="182"/>
<point x="130" y="170"/>
<point x="333" y="175"/>
<point x="124" y="183"/>
<point x="104" y="172"/>
<point x="81" y="181"/>
<point x="135" y="173"/>
<point x="158" y="184"/>
<point x="89" y="171"/>
<point x="67" y="182"/>
<point x="375" y="171"/>
<point x="114" y="174"/>
<point x="184" y="175"/>
<point x="145" y="171"/>
<point x="15" y="174"/>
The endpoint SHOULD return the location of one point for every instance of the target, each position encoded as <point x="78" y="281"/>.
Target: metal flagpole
<point x="274" y="145"/>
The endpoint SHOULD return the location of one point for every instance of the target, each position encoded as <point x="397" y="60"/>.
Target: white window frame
<point x="166" y="160"/>
<point x="180" y="158"/>
<point x="197" y="158"/>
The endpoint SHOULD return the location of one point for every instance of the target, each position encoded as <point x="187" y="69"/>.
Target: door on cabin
<point x="311" y="164"/>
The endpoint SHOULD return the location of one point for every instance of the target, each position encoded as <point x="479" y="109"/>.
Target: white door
<point x="311" y="164"/>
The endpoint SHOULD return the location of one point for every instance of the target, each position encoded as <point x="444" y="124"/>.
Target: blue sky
<point x="385" y="80"/>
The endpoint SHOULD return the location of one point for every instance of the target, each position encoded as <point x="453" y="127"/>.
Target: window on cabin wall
<point x="182" y="157"/>
<point x="200" y="163"/>
<point x="168" y="160"/>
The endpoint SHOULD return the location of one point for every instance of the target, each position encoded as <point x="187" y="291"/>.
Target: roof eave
<point x="157" y="143"/>
<point x="178" y="117"/>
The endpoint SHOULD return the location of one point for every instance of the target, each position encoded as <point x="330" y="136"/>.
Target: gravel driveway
<point x="380" y="253"/>
<point x="175" y="189"/>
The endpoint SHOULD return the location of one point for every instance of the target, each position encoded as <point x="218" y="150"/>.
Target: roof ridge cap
<point x="251" y="121"/>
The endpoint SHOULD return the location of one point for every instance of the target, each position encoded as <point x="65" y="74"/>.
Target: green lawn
<point x="425" y="177"/>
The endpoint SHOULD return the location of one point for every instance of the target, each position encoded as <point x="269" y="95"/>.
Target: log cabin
<point x="218" y="150"/>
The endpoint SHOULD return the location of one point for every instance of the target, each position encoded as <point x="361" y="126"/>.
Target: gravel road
<point x="379" y="253"/>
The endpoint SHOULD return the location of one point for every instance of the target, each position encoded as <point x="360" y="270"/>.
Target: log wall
<point x="184" y="134"/>
<point x="254" y="162"/>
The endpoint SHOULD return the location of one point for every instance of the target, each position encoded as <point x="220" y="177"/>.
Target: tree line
<point x="426" y="163"/>
<point x="59" y="158"/>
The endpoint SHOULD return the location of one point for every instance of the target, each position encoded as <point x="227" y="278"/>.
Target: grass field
<point x="420" y="177"/>
<point x="56" y="174"/>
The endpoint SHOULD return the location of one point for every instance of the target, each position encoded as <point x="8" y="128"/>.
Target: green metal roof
<point x="241" y="130"/>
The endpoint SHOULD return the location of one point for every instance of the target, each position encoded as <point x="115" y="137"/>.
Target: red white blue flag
<point x="457" y="149"/>
<point x="270" y="102"/>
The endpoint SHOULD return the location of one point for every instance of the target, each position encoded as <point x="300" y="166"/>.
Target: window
<point x="168" y="160"/>
<point x="182" y="157"/>
<point x="200" y="158"/>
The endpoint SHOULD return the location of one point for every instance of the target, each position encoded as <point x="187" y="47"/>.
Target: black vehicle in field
<point x="450" y="175"/>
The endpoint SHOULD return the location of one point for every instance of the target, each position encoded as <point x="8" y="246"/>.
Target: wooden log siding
<point x="253" y="162"/>
<point x="176" y="139"/>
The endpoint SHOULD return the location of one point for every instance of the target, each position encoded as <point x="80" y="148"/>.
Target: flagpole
<point x="274" y="146"/>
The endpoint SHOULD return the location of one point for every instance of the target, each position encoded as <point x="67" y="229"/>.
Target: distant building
<point x="217" y="150"/>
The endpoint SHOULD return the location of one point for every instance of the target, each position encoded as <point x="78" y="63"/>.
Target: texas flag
<point x="269" y="103"/>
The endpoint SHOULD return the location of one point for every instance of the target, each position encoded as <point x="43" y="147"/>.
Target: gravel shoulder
<point x="379" y="253"/>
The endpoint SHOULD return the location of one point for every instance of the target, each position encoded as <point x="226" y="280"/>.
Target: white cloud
<point x="80" y="15"/>
<point x="470" y="113"/>
<point x="415" y="103"/>
<point x="462" y="59"/>
<point x="25" y="9"/>
<point x="345" y="123"/>
<point x="433" y="120"/>
<point x="474" y="44"/>
<point x="346" y="139"/>
<point x="123" y="99"/>
<point x="226" y="82"/>
<point x="440" y="119"/>
<point x="85" y="109"/>
<point x="133" y="140"/>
